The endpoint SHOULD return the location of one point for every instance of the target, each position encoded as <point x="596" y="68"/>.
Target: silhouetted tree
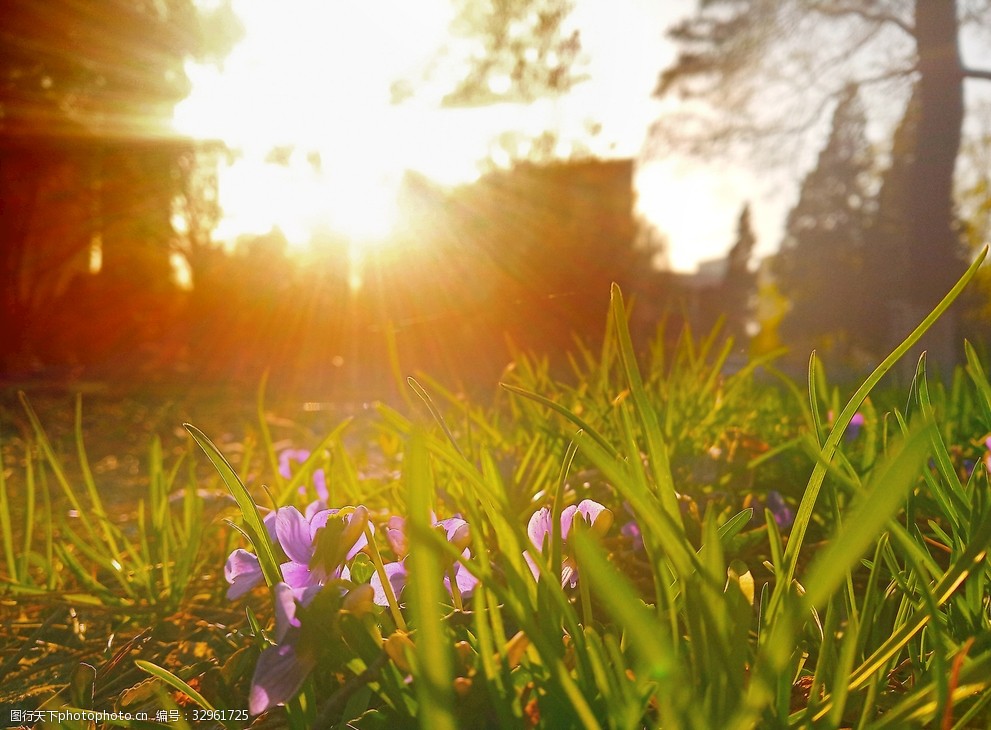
<point x="770" y="65"/>
<point x="525" y="51"/>
<point x="86" y="96"/>
<point x="739" y="285"/>
<point x="821" y="265"/>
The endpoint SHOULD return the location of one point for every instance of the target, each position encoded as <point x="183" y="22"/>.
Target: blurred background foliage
<point x="110" y="270"/>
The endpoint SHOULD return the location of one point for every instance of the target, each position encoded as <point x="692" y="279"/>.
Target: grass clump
<point x="657" y="543"/>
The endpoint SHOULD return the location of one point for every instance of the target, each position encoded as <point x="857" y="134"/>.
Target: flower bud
<point x="358" y="600"/>
<point x="398" y="646"/>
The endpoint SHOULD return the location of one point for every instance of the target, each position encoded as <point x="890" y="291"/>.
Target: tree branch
<point x="836" y="9"/>
<point x="976" y="73"/>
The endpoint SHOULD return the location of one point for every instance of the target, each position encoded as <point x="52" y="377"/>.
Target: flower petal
<point x="596" y="515"/>
<point x="298" y="575"/>
<point x="318" y="519"/>
<point x="457" y="531"/>
<point x="567" y="520"/>
<point x="294" y="534"/>
<point x="320" y="484"/>
<point x="279" y="674"/>
<point x="287" y="456"/>
<point x="539" y="527"/>
<point x="395" y="533"/>
<point x="569" y="573"/>
<point x="396" y="574"/>
<point x="269" y="521"/>
<point x="285" y="610"/>
<point x="532" y="564"/>
<point x="466" y="582"/>
<point x="312" y="509"/>
<point x="243" y="572"/>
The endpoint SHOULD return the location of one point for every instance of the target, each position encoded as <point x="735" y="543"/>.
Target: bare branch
<point x="879" y="17"/>
<point x="976" y="73"/>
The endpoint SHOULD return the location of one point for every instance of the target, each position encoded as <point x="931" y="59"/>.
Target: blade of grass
<point x="558" y="408"/>
<point x="6" y="527"/>
<point x="88" y="481"/>
<point x="863" y="526"/>
<point x="807" y="505"/>
<point x="658" y="660"/>
<point x="433" y="670"/>
<point x="957" y="572"/>
<point x="656" y="450"/>
<point x="175" y="683"/>
<point x="435" y="412"/>
<point x="53" y="462"/>
<point x="254" y="527"/>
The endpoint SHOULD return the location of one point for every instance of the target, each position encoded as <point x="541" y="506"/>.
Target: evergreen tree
<point x="739" y="282"/>
<point x="767" y="68"/>
<point x="821" y="264"/>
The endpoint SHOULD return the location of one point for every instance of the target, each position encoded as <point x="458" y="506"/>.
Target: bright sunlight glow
<point x="312" y="79"/>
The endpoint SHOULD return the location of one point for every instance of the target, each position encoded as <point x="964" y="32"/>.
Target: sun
<point x="304" y="100"/>
<point x="298" y="197"/>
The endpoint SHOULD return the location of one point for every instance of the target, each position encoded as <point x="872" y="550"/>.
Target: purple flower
<point x="396" y="574"/>
<point x="856" y="423"/>
<point x="395" y="533"/>
<point x="595" y="515"/>
<point x="782" y="513"/>
<point x="853" y="429"/>
<point x="288" y="456"/>
<point x="316" y="544"/>
<point x="281" y="669"/>
<point x="243" y="571"/>
<point x="632" y="531"/>
<point x="456" y="531"/>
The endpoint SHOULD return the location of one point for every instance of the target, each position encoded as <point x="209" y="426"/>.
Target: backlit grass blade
<point x="953" y="493"/>
<point x="53" y="462"/>
<point x="958" y="571"/>
<point x="435" y="412"/>
<point x="253" y="525"/>
<point x="91" y="489"/>
<point x="658" y="659"/>
<point x="174" y="682"/>
<point x="732" y="527"/>
<point x="434" y="672"/>
<point x="558" y="408"/>
<point x="817" y="429"/>
<point x="656" y="450"/>
<point x="657" y="527"/>
<point x="807" y="505"/>
<point x="973" y="681"/>
<point x="976" y="372"/>
<point x="475" y="415"/>
<point x="867" y="519"/>
<point x="29" y="517"/>
<point x="6" y="528"/>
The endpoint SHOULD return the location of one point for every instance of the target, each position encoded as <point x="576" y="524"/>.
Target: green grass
<point x="869" y="608"/>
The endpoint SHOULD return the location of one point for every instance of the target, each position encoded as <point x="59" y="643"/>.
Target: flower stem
<point x="586" y="602"/>
<point x="390" y="595"/>
<point x="455" y="591"/>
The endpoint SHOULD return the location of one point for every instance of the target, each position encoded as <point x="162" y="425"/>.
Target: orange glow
<point x="309" y="77"/>
<point x="316" y="77"/>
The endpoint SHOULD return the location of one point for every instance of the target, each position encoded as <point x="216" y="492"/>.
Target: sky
<point x="317" y="75"/>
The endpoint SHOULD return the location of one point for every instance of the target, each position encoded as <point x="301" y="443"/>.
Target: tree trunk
<point x="933" y="246"/>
